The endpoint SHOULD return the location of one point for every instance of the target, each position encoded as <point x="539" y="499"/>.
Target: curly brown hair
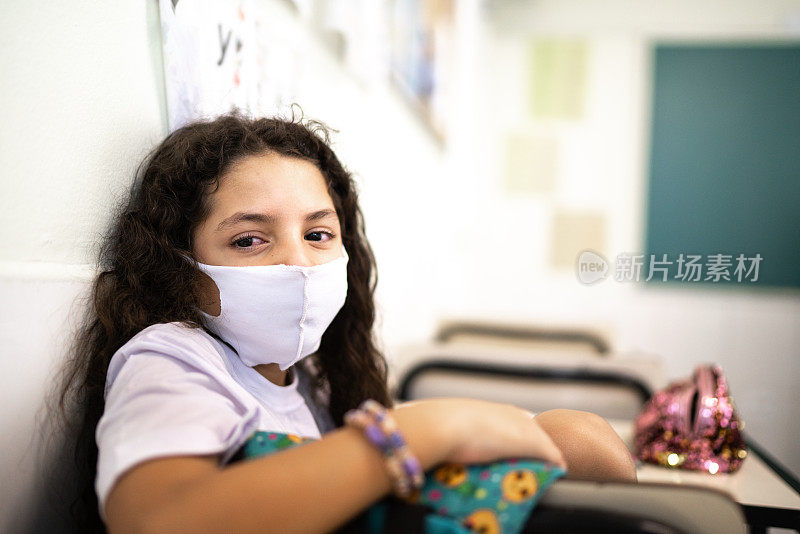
<point x="144" y="278"/>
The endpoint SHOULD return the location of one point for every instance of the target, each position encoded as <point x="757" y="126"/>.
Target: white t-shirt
<point x="174" y="390"/>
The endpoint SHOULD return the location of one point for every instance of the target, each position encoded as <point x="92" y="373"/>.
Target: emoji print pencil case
<point x="493" y="498"/>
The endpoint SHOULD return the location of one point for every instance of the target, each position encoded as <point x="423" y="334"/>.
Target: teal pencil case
<point x="492" y="498"/>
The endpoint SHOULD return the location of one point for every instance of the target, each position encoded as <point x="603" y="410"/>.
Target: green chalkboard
<point x="724" y="173"/>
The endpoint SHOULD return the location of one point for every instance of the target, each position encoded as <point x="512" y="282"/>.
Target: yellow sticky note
<point x="558" y="77"/>
<point x="531" y="164"/>
<point x="574" y="232"/>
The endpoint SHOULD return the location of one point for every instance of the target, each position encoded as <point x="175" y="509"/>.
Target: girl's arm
<point x="318" y="486"/>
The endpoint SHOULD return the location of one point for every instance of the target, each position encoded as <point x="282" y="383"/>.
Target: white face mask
<point x="276" y="313"/>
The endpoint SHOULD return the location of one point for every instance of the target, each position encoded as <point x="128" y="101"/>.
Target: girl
<point x="236" y="295"/>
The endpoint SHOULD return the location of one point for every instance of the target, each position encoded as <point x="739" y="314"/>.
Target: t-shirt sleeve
<point x="166" y="397"/>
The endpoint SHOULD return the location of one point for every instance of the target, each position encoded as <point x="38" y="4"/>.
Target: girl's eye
<point x="317" y="236"/>
<point x="246" y="242"/>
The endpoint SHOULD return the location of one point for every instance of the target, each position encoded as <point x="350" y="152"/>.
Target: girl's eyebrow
<point x="267" y="218"/>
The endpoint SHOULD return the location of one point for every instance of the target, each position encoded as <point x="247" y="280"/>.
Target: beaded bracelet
<point x="380" y="429"/>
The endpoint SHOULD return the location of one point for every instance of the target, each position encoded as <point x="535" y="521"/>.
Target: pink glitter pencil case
<point x="692" y="424"/>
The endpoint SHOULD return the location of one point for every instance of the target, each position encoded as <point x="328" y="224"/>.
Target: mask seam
<point x="303" y="317"/>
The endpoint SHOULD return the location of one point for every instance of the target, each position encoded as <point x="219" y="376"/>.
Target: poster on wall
<point x="422" y="45"/>
<point x="221" y="55"/>
<point x="357" y="33"/>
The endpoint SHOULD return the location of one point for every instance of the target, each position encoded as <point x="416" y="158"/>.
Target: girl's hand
<point x="476" y="431"/>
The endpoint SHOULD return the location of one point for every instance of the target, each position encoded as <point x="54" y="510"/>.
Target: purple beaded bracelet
<point x="381" y="431"/>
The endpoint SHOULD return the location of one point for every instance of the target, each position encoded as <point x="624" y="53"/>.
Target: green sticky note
<point x="558" y="77"/>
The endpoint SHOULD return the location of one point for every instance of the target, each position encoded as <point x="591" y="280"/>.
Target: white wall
<point x="82" y="102"/>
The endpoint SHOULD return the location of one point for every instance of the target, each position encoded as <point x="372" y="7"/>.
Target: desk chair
<point x="535" y="338"/>
<point x="578" y="506"/>
<point x="537" y="388"/>
<point x="612" y="387"/>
